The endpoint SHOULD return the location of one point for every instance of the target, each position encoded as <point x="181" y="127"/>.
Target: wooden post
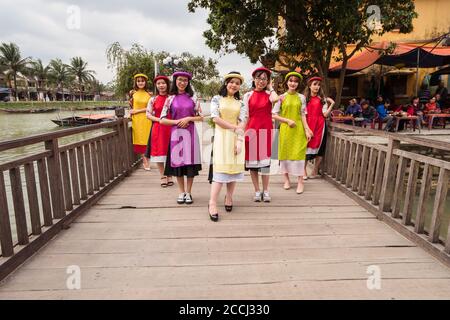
<point x="427" y="176"/>
<point x="370" y="174"/>
<point x="337" y="156"/>
<point x="351" y="161"/>
<point x="439" y="204"/>
<point x="45" y="193"/>
<point x="447" y="242"/>
<point x="19" y="207"/>
<point x="410" y="192"/>
<point x="378" y="177"/>
<point x="399" y="186"/>
<point x="66" y="181"/>
<point x="89" y="174"/>
<point x="95" y="170"/>
<point x="56" y="187"/>
<point x="74" y="177"/>
<point x="357" y="166"/>
<point x="343" y="169"/>
<point x="387" y="188"/>
<point x="82" y="171"/>
<point x="363" y="171"/>
<point x="32" y="199"/>
<point x="101" y="166"/>
<point x="6" y="241"/>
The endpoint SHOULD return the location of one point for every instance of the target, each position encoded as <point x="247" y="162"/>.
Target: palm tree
<point x="11" y="59"/>
<point x="41" y="73"/>
<point x="60" y="74"/>
<point x="82" y="75"/>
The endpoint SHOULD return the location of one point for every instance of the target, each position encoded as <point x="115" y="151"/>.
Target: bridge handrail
<point x="59" y="184"/>
<point x="385" y="180"/>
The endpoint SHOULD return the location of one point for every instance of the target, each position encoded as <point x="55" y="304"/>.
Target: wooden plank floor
<point x="137" y="243"/>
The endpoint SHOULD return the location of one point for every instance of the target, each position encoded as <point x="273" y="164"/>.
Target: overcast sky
<point x="48" y="29"/>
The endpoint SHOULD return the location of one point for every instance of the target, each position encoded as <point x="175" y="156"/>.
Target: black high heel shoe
<point x="227" y="208"/>
<point x="213" y="217"/>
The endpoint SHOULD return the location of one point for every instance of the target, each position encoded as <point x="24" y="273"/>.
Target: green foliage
<point x="12" y="61"/>
<point x="41" y="73"/>
<point x="299" y="33"/>
<point x="127" y="63"/>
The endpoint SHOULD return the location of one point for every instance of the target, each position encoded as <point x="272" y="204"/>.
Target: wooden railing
<point x="393" y="183"/>
<point x="59" y="183"/>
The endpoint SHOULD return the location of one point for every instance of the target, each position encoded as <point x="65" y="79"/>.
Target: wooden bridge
<point x="376" y="227"/>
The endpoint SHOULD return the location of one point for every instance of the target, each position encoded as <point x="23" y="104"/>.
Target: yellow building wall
<point x="433" y="20"/>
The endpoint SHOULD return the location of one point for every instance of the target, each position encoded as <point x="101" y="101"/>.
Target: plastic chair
<point x="335" y="116"/>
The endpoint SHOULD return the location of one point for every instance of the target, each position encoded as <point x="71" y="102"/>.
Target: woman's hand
<point x="183" y="123"/>
<point x="238" y="147"/>
<point x="291" y="123"/>
<point x="132" y="112"/>
<point x="309" y="134"/>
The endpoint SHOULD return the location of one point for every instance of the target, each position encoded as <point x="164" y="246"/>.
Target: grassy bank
<point x="63" y="105"/>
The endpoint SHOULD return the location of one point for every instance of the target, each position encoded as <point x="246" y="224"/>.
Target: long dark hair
<point x="223" y="89"/>
<point x="320" y="94"/>
<point x="257" y="74"/>
<point x="174" y="88"/>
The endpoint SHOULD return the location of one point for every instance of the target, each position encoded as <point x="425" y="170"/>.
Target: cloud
<point x="40" y="28"/>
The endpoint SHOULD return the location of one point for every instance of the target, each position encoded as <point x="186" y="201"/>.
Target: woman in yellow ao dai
<point x="229" y="115"/>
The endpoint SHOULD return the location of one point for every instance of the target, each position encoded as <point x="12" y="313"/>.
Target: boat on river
<point x="83" y="120"/>
<point x="19" y="110"/>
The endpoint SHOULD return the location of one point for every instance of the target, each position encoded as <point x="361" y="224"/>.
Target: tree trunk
<point x="81" y="93"/>
<point x="323" y="73"/>
<point x="28" y="89"/>
<point x="341" y="82"/>
<point x="15" y="87"/>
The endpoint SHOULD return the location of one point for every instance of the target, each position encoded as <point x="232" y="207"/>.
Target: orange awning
<point x="404" y="54"/>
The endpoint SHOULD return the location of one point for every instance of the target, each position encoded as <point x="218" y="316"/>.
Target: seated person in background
<point x="443" y="93"/>
<point x="439" y="101"/>
<point x="401" y="111"/>
<point x="380" y="100"/>
<point x="432" y="107"/>
<point x="424" y="95"/>
<point x="353" y="109"/>
<point x="414" y="110"/>
<point x="384" y="115"/>
<point x="367" y="113"/>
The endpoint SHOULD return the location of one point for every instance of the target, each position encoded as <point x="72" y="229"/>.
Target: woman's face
<point x="433" y="100"/>
<point x="161" y="85"/>
<point x="293" y="83"/>
<point x="182" y="83"/>
<point x="233" y="86"/>
<point x="315" y="87"/>
<point x="141" y="82"/>
<point x="261" y="81"/>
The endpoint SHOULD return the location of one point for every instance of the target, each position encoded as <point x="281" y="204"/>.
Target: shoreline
<point x="41" y="107"/>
